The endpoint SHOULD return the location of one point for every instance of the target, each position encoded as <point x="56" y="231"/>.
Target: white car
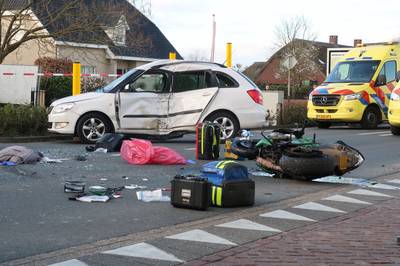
<point x="164" y="98"/>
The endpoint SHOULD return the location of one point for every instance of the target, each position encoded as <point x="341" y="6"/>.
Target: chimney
<point x="357" y="42"/>
<point x="333" y="39"/>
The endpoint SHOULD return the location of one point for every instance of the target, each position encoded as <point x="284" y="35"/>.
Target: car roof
<point x="181" y="65"/>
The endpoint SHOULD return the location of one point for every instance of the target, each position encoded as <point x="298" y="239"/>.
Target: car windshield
<point x="353" y="71"/>
<point x="108" y="88"/>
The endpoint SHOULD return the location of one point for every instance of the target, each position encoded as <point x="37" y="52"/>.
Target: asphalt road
<point x="37" y="217"/>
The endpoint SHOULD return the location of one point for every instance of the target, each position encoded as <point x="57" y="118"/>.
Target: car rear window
<point x="225" y="81"/>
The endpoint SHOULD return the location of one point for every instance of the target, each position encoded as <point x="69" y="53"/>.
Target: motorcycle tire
<point x="245" y="148"/>
<point x="308" y="168"/>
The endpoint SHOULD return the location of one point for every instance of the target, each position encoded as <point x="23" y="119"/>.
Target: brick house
<point x="127" y="39"/>
<point x="268" y="73"/>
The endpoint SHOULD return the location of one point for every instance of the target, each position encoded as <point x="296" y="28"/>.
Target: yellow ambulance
<point x="358" y="89"/>
<point x="394" y="108"/>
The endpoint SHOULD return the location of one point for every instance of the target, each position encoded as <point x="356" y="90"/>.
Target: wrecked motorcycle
<point x="287" y="153"/>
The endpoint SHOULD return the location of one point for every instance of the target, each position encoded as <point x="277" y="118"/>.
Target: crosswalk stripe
<point x="386" y="135"/>
<point x="73" y="262"/>
<point x="317" y="207"/>
<point x="372" y="133"/>
<point x="248" y="225"/>
<point x="281" y="214"/>
<point x="383" y="186"/>
<point x="394" y="181"/>
<point x="366" y="192"/>
<point x="341" y="198"/>
<point x="143" y="250"/>
<point x="198" y="235"/>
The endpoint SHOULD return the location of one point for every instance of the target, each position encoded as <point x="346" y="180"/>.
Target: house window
<point x="88" y="70"/>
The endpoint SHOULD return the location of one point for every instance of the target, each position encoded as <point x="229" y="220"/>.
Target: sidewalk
<point x="365" y="237"/>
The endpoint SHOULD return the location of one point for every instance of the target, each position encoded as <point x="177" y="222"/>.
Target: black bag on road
<point x="190" y="192"/>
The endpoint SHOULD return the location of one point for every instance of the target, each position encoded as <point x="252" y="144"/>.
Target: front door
<point x="191" y="93"/>
<point x="385" y="83"/>
<point x="143" y="103"/>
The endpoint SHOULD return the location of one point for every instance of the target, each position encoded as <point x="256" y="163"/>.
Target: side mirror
<point x="398" y="76"/>
<point x="381" y="80"/>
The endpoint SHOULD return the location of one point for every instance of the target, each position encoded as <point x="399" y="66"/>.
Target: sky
<point x="250" y="25"/>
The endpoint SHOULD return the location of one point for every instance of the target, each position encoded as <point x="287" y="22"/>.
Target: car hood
<point x="78" y="98"/>
<point x="340" y="88"/>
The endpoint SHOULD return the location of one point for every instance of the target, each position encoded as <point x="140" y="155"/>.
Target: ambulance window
<point x="390" y="71"/>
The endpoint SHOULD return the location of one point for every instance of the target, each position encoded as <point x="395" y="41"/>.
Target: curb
<point x="35" y="139"/>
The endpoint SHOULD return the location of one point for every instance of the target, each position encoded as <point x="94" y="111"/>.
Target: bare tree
<point x="295" y="37"/>
<point x="45" y="21"/>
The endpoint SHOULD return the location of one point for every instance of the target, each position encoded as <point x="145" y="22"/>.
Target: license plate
<point x="323" y="116"/>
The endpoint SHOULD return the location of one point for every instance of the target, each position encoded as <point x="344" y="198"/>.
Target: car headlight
<point x="62" y="108"/>
<point x="394" y="97"/>
<point x="310" y="97"/>
<point x="354" y="96"/>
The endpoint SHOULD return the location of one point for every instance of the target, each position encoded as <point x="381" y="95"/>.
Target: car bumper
<point x="255" y="118"/>
<point x="346" y="111"/>
<point x="394" y="114"/>
<point x="63" y="123"/>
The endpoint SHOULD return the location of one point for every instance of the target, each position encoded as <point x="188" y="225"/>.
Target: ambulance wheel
<point x="371" y="118"/>
<point x="228" y="122"/>
<point x="324" y="124"/>
<point x="395" y="130"/>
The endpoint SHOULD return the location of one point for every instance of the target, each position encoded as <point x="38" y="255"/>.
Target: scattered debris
<point x="132" y="186"/>
<point x="149" y="196"/>
<point x="74" y="187"/>
<point x="93" y="198"/>
<point x="49" y="160"/>
<point x="145" y="179"/>
<point x="260" y="173"/>
<point x="97" y="190"/>
<point x="101" y="150"/>
<point x="81" y="158"/>
<point x="125" y="177"/>
<point x="103" y="179"/>
<point x="7" y="164"/>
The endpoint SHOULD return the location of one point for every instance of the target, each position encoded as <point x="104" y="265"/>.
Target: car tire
<point x="395" y="130"/>
<point x="92" y="126"/>
<point x="228" y="122"/>
<point x="324" y="125"/>
<point x="371" y="118"/>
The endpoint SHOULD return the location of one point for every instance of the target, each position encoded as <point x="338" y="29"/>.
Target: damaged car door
<point x="192" y="91"/>
<point x="143" y="102"/>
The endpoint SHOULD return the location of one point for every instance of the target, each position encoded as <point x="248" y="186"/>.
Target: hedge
<point x="22" y="120"/>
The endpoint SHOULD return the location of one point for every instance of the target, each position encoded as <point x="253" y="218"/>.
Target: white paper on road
<point x="93" y="198"/>
<point x="155" y="195"/>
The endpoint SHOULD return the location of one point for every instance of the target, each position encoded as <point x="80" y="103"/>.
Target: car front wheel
<point x="91" y="127"/>
<point x="228" y="123"/>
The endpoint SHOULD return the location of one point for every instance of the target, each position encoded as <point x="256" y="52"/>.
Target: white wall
<point x="16" y="89"/>
<point x="272" y="102"/>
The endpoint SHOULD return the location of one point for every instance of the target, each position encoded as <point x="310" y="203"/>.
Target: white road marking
<point x="366" y="192"/>
<point x="73" y="262"/>
<point x="383" y="186"/>
<point x="143" y="250"/>
<point x="201" y="236"/>
<point x="394" y="181"/>
<point x="281" y="214"/>
<point x="386" y="135"/>
<point x="341" y="198"/>
<point x="373" y="133"/>
<point x="248" y="225"/>
<point x="190" y="149"/>
<point x="317" y="207"/>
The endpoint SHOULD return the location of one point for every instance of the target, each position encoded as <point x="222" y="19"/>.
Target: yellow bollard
<point x="76" y="78"/>
<point x="229" y="54"/>
<point x="172" y="56"/>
